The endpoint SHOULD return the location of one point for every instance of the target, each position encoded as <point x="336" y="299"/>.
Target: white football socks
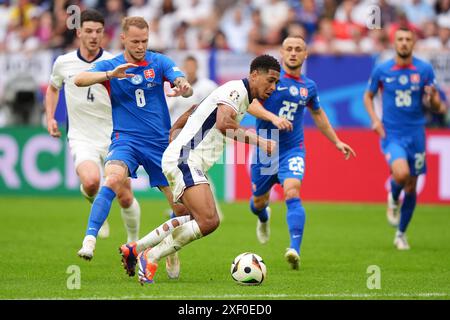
<point x="158" y="234"/>
<point x="131" y="217"/>
<point x="180" y="237"/>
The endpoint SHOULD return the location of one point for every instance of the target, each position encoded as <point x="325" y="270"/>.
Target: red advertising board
<point x="328" y="177"/>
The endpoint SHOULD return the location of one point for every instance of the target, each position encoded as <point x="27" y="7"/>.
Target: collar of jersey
<point x="247" y="86"/>
<point x="142" y="63"/>
<point x="286" y="75"/>
<point x="96" y="57"/>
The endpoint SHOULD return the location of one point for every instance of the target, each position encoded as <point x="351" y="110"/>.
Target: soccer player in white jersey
<point x="89" y="118"/>
<point x="195" y="149"/>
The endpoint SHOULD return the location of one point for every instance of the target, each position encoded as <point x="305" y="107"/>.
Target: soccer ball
<point x="248" y="269"/>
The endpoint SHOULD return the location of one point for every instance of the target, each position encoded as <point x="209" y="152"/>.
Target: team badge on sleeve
<point x="234" y="96"/>
<point x="149" y="74"/>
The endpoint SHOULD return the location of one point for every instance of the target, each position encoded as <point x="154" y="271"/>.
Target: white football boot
<point x="87" y="250"/>
<point x="400" y="241"/>
<point x="292" y="258"/>
<point x="263" y="228"/>
<point x="393" y="211"/>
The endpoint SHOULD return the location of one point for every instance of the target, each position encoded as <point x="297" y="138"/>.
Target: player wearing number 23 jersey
<point x="402" y="90"/>
<point x="141" y="120"/>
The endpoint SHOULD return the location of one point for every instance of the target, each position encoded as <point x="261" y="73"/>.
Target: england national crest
<point x="149" y="74"/>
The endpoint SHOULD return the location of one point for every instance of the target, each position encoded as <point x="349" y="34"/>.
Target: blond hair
<point x="137" y="22"/>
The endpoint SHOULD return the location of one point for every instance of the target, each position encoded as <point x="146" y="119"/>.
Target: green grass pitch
<point x="41" y="236"/>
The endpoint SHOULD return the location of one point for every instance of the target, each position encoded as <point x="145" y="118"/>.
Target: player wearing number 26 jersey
<point x="407" y="87"/>
<point x="402" y="89"/>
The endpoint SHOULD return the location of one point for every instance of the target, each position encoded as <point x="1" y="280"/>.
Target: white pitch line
<point x="246" y="296"/>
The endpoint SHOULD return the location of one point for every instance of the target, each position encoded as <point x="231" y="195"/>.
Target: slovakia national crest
<point x="149" y="74"/>
<point x="303" y="92"/>
<point x="415" y="78"/>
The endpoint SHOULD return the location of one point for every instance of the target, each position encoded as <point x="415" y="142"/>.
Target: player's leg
<point x="295" y="220"/>
<point x="396" y="156"/>
<point x="259" y="203"/>
<point x="406" y="213"/>
<point x="116" y="173"/>
<point x="199" y="201"/>
<point x="130" y="211"/>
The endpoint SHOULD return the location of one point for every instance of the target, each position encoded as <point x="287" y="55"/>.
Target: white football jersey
<point x="179" y="105"/>
<point x="199" y="142"/>
<point x="88" y="108"/>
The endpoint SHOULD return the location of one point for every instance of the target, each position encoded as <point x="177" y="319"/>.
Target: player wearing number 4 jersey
<point x="89" y="118"/>
<point x="294" y="93"/>
<point x="407" y="85"/>
<point x="141" y="122"/>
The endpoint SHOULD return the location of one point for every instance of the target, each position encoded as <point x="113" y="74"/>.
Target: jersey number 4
<point x="90" y="95"/>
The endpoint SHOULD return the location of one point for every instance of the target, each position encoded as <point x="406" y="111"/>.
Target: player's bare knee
<point x="90" y="186"/>
<point x="291" y="193"/>
<point x="401" y="176"/>
<point x="125" y="201"/>
<point x="259" y="202"/>
<point x="114" y="182"/>
<point x="179" y="210"/>
<point x="209" y="224"/>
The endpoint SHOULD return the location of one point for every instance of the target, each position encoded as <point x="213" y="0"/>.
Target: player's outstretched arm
<point x="257" y="109"/>
<point x="321" y="120"/>
<point x="182" y="88"/>
<point x="180" y="123"/>
<point x="86" y="78"/>
<point x="377" y="125"/>
<point x="51" y="101"/>
<point x="226" y="123"/>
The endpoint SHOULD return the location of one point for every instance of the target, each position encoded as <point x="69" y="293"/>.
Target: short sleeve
<point x="314" y="101"/>
<point x="170" y="70"/>
<point x="374" y="81"/>
<point x="230" y="97"/>
<point x="56" y="78"/>
<point x="430" y="78"/>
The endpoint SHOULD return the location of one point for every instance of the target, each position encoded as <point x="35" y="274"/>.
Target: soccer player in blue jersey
<point x="141" y="123"/>
<point x="408" y="87"/>
<point x="294" y="93"/>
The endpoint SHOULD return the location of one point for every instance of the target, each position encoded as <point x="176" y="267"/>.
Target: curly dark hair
<point x="265" y="63"/>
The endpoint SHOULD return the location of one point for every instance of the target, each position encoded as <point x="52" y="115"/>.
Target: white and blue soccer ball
<point x="248" y="269"/>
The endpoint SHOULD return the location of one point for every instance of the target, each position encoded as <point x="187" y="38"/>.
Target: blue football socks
<point x="262" y="214"/>
<point x="395" y="189"/>
<point x="295" y="221"/>
<point x="100" y="210"/>
<point x="406" y="212"/>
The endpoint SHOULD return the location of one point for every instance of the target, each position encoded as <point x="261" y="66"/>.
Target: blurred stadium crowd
<point x="330" y="26"/>
<point x="240" y="26"/>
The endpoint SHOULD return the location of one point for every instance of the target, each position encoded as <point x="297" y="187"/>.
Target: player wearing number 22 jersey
<point x="141" y="120"/>
<point x="294" y="93"/>
<point x="292" y="96"/>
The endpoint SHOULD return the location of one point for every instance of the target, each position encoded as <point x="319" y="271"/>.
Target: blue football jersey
<point x="402" y="89"/>
<point x="289" y="100"/>
<point x="139" y="108"/>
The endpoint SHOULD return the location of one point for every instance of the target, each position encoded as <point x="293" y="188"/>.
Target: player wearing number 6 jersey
<point x="141" y="121"/>
<point x="89" y="117"/>
<point x="407" y="85"/>
<point x="294" y="93"/>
